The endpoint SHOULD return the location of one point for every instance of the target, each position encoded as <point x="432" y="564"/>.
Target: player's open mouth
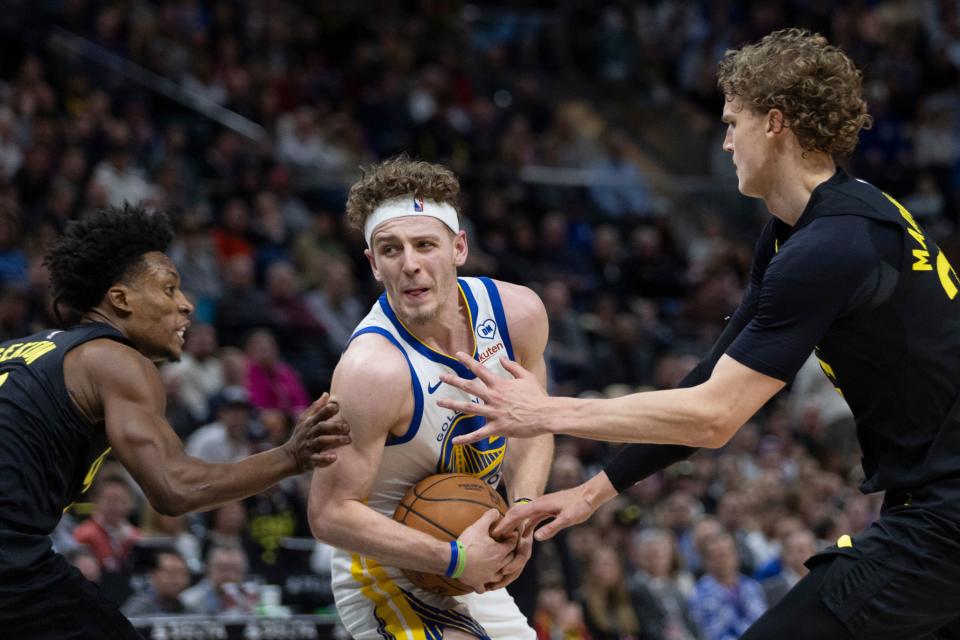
<point x="182" y="330"/>
<point x="416" y="293"/>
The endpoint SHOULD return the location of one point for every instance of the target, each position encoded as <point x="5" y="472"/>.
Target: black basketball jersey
<point x="898" y="365"/>
<point x="896" y="361"/>
<point x="49" y="452"/>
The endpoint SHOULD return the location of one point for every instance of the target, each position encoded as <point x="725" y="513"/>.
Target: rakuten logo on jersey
<point x="491" y="351"/>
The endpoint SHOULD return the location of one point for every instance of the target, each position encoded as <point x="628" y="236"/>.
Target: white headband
<point x="410" y="206"/>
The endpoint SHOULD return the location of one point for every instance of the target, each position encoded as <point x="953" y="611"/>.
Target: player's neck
<point x="99" y="315"/>
<point x="448" y="331"/>
<point x="796" y="177"/>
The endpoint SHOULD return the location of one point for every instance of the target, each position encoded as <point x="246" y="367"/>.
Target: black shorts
<point x="50" y="599"/>
<point x="899" y="579"/>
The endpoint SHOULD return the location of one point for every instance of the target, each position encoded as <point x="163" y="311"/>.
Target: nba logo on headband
<point x="418" y="205"/>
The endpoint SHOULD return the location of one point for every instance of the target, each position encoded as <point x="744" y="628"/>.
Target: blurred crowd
<point x="636" y="284"/>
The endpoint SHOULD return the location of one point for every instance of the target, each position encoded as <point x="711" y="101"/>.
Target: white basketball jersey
<point x="376" y="601"/>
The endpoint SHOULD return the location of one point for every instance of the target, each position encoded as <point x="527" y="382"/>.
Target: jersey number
<point x="946" y="274"/>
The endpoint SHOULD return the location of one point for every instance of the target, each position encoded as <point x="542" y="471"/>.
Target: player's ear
<point x="373" y="264"/>
<point x="118" y="297"/>
<point x="775" y="121"/>
<point x="460" y="249"/>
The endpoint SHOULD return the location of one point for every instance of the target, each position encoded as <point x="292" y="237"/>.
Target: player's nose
<point x="186" y="307"/>
<point x="411" y="263"/>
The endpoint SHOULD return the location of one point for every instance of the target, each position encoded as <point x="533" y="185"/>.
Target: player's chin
<point x="173" y="353"/>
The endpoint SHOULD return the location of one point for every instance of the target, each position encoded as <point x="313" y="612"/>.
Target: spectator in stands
<point x="222" y="591"/>
<point x="185" y="543"/>
<point x="243" y="306"/>
<point x="725" y="602"/>
<point x="334" y="304"/>
<point x="658" y="570"/>
<point x="798" y="546"/>
<point x="295" y="326"/>
<point x="568" y="353"/>
<point x="200" y="370"/>
<point x="231" y="237"/>
<point x="229" y="438"/>
<point x="193" y="254"/>
<point x="108" y="532"/>
<point x="271" y="234"/>
<point x="161" y="595"/>
<point x="557" y="617"/>
<point x="612" y="611"/>
<point x="273" y="384"/>
<point x="227" y="527"/>
<point x="177" y="413"/>
<point x="119" y="177"/>
<point x="680" y="512"/>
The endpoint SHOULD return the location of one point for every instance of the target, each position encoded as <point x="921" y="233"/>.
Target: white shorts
<point x="377" y="603"/>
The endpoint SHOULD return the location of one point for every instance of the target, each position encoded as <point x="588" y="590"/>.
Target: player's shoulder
<point x="372" y="382"/>
<point x="109" y="359"/>
<point x="827" y="252"/>
<point x="103" y="370"/>
<point x="846" y="195"/>
<point x="527" y="318"/>
<point x="521" y="304"/>
<point x="373" y="359"/>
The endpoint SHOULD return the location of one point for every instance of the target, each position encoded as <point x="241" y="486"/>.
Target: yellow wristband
<point x="461" y="561"/>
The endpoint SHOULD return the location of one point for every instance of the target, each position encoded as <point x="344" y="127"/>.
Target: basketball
<point x="443" y="505"/>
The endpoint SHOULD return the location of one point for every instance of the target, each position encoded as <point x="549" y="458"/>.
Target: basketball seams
<point x="455" y="477"/>
<point x="453" y="536"/>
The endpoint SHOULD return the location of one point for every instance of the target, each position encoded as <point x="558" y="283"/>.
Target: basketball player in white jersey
<point x="388" y="384"/>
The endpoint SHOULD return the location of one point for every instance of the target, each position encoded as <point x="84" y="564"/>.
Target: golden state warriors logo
<point x="481" y="459"/>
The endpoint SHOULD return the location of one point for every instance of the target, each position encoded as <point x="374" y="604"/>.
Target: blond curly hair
<point x="815" y="85"/>
<point x="397" y="177"/>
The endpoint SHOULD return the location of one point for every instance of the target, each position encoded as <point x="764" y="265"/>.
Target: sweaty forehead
<point x="158" y="265"/>
<point x="409" y="226"/>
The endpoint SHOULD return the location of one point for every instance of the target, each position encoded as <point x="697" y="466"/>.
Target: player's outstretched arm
<point x="372" y="382"/>
<point x="113" y="381"/>
<point x="706" y="415"/>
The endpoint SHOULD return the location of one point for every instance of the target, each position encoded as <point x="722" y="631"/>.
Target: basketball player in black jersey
<point x="68" y="398"/>
<point x="842" y="270"/>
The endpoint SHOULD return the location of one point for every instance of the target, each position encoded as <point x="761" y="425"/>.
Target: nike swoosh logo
<point x="433" y="387"/>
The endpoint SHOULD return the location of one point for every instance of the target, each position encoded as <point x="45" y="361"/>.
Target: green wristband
<point x="461" y="561"/>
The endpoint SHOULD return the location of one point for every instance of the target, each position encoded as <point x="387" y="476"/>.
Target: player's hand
<point x="513" y="408"/>
<point x="486" y="558"/>
<point x="514" y="568"/>
<point x="567" y="508"/>
<point x="318" y="431"/>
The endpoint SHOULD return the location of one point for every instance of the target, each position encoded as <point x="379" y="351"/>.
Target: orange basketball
<point x="443" y="505"/>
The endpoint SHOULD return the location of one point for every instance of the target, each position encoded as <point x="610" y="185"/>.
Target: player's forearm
<point x="352" y="526"/>
<point x="527" y="466"/>
<point x="195" y="484"/>
<point x="673" y="416"/>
